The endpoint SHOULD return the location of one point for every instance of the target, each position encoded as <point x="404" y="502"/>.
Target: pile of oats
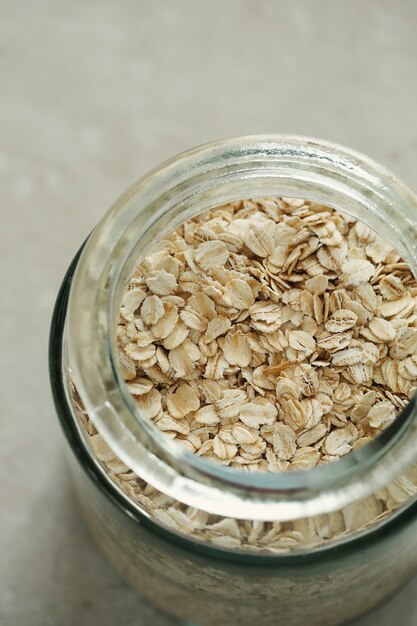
<point x="267" y="335"/>
<point x="270" y="335"/>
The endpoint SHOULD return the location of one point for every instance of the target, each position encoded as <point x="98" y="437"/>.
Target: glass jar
<point x="208" y="543"/>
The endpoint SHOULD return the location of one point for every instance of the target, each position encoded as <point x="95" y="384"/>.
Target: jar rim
<point x="184" y="186"/>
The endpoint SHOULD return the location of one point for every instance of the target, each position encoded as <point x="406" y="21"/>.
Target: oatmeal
<point x="267" y="335"/>
<point x="270" y="335"/>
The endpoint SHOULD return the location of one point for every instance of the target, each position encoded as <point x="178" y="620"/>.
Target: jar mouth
<point x="224" y="171"/>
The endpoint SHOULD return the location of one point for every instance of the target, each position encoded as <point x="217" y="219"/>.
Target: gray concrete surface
<point x="93" y="94"/>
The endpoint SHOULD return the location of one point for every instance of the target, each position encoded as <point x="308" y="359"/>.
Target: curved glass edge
<point x="158" y="460"/>
<point x="333" y="553"/>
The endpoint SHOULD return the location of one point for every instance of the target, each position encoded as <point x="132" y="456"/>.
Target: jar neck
<point x="178" y="190"/>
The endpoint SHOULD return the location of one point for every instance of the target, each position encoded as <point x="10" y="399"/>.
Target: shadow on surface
<point x="399" y="609"/>
<point x="63" y="577"/>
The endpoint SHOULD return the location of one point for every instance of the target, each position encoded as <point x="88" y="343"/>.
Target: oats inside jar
<point x="270" y="335"/>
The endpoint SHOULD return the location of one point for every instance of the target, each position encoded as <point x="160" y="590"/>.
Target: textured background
<point x="93" y="94"/>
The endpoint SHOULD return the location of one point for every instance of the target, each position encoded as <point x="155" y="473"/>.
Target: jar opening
<point x="184" y="187"/>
